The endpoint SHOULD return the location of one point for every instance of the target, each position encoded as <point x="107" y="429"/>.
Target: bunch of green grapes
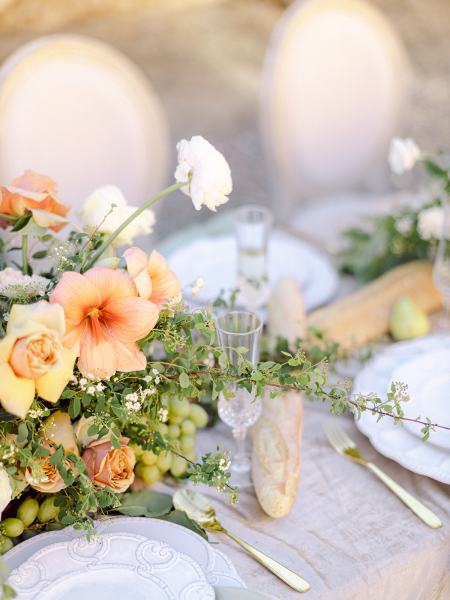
<point x="28" y="512"/>
<point x="184" y="419"/>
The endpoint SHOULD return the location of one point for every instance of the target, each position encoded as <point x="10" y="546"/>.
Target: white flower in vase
<point x="106" y="209"/>
<point x="205" y="171"/>
<point x="403" y="155"/>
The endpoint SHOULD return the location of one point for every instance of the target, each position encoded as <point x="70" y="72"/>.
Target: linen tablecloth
<point x="347" y="534"/>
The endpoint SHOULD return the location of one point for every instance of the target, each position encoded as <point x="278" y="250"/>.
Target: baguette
<point x="276" y="453"/>
<point x="364" y="315"/>
<point x="286" y="313"/>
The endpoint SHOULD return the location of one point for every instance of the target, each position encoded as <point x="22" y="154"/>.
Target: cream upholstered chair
<point x="334" y="87"/>
<point x="79" y="111"/>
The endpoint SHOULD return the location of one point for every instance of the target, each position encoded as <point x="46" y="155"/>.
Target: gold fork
<point x="347" y="447"/>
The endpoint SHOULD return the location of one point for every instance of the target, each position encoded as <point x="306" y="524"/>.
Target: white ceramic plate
<point x="218" y="568"/>
<point x="395" y="441"/>
<point x="214" y="260"/>
<point x="78" y="110"/>
<point x="428" y="379"/>
<point x="111" y="567"/>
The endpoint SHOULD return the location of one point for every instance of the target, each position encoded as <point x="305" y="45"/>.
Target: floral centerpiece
<point x="408" y="233"/>
<point x="102" y="368"/>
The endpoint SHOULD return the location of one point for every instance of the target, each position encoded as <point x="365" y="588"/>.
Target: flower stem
<point x="112" y="236"/>
<point x="25" y="254"/>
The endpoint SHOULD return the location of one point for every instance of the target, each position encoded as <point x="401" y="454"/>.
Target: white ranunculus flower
<point x="98" y="205"/>
<point x="5" y="490"/>
<point x="403" y="155"/>
<point x="205" y="172"/>
<point x="430" y="223"/>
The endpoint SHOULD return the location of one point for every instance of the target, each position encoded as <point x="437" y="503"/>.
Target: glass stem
<point x="240" y="459"/>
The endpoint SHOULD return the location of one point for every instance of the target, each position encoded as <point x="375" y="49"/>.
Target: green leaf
<point x="22" y="433"/>
<point x="74" y="407"/>
<point x="40" y="254"/>
<point x="145" y="503"/>
<point x="21" y="222"/>
<point x="180" y="518"/>
<point x="184" y="380"/>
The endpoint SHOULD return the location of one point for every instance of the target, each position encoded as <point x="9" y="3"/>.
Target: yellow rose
<point x="32" y="356"/>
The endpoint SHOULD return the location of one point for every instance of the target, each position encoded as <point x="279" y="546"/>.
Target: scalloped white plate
<point x="218" y="568"/>
<point x="111" y="567"/>
<point x="395" y="441"/>
<point x="428" y="379"/>
<point x="214" y="260"/>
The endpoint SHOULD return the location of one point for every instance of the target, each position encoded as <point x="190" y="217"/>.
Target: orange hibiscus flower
<point x="36" y="193"/>
<point x="152" y="276"/>
<point x="104" y="320"/>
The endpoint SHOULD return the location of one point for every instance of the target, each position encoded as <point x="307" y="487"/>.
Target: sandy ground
<point x="205" y="58"/>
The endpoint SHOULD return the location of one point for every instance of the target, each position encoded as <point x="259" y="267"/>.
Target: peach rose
<point x="152" y="277"/>
<point x="58" y="430"/>
<point x="36" y="193"/>
<point x="45" y="477"/>
<point x="109" y="466"/>
<point x="32" y="356"/>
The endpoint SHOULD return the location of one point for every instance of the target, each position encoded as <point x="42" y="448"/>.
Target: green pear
<point x="407" y="319"/>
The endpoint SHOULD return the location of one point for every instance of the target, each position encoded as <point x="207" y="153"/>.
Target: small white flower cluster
<point x="7" y="454"/>
<point x="156" y="379"/>
<point x="430" y="223"/>
<point x="90" y="387"/>
<point x="174" y="301"/>
<point x="13" y="284"/>
<point x="132" y="402"/>
<point x="36" y="413"/>
<point x="135" y="400"/>
<point x="197" y="287"/>
<point x="222" y="470"/>
<point x="163" y="414"/>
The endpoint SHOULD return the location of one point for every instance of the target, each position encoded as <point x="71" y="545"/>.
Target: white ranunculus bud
<point x="403" y="155"/>
<point x="5" y="490"/>
<point x="106" y="209"/>
<point x="205" y="172"/>
<point x="81" y="428"/>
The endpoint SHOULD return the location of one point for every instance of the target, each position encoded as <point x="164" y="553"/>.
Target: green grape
<point x="137" y="450"/>
<point x="164" y="461"/>
<point x="188" y="427"/>
<point x="163" y="428"/>
<point x="191" y="455"/>
<point x="179" y="466"/>
<point x="150" y="474"/>
<point x="54" y="526"/>
<point x="48" y="511"/>
<point x="138" y="469"/>
<point x="5" y="544"/>
<point x="174" y="431"/>
<point x="187" y="442"/>
<point x="175" y="420"/>
<point x="199" y="415"/>
<point x="12" y="527"/>
<point x="28" y="511"/>
<point x="179" y="407"/>
<point x="148" y="458"/>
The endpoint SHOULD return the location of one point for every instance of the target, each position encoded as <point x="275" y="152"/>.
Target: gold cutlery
<point x="347" y="448"/>
<point x="197" y="507"/>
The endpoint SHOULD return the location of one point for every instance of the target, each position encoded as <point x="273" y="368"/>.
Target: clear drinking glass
<point x="240" y="329"/>
<point x="252" y="228"/>
<point x="441" y="270"/>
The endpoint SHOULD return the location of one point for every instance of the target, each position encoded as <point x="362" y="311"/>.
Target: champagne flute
<point x="252" y="228"/>
<point x="240" y="329"/>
